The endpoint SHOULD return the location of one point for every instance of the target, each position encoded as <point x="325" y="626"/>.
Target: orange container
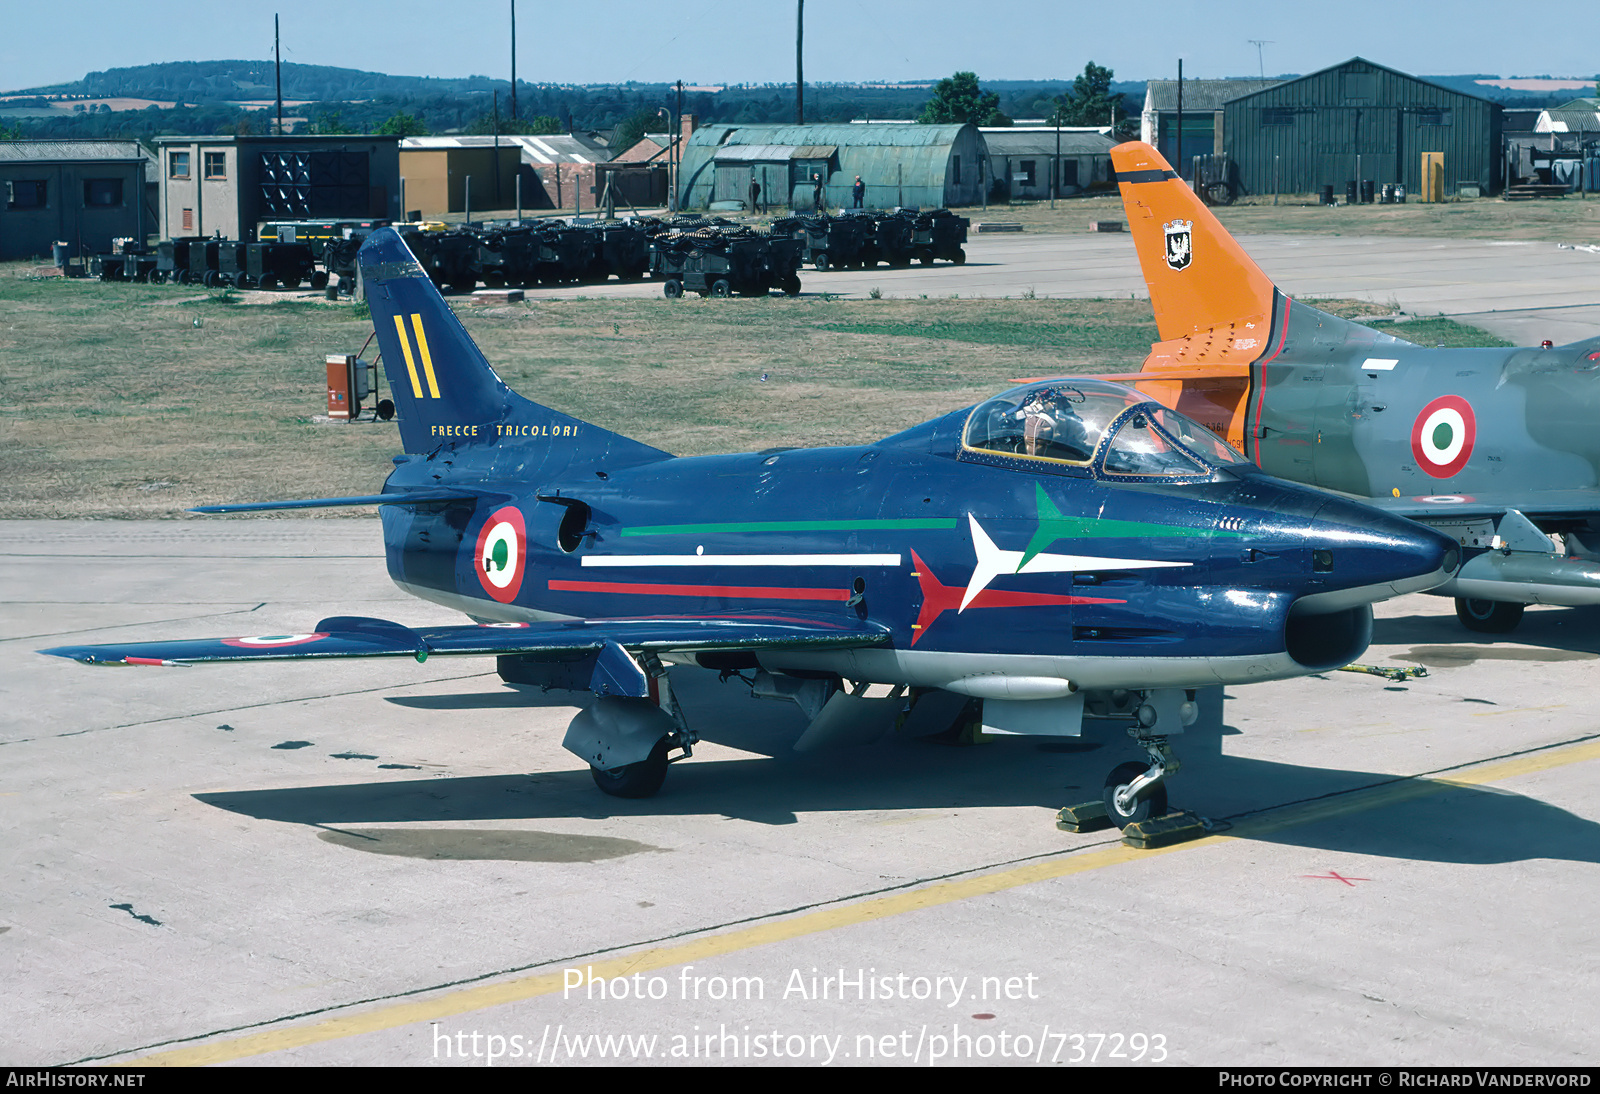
<point x="343" y="402"/>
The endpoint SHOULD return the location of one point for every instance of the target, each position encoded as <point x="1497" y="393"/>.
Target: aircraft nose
<point x="1370" y="555"/>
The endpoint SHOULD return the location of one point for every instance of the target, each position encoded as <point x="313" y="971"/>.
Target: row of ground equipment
<point x="861" y="240"/>
<point x="706" y="255"/>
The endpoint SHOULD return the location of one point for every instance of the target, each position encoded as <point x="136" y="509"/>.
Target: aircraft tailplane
<point x="444" y="389"/>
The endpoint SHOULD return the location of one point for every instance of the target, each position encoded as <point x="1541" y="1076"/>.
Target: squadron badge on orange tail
<point x="1180" y="243"/>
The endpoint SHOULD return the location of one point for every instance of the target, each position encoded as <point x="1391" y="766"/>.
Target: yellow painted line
<point x="464" y="1000"/>
<point x="427" y="358"/>
<point x="405" y="348"/>
<point x="1517" y="710"/>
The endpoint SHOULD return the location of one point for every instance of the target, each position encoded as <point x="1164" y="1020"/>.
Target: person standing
<point x="858" y="193"/>
<point x="816" y="191"/>
<point x="755" y="190"/>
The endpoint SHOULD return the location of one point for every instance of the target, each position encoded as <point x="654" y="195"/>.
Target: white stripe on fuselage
<point x="992" y="562"/>
<point x="741" y="560"/>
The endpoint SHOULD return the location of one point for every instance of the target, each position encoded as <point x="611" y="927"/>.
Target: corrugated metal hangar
<point x="1350" y="122"/>
<point x="900" y="164"/>
<point x="1360" y="120"/>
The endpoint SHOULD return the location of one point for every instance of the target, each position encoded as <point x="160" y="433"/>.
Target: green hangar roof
<point x="899" y="163"/>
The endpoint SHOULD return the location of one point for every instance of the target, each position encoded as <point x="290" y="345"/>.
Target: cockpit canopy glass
<point x="1069" y="422"/>
<point x="1053" y="421"/>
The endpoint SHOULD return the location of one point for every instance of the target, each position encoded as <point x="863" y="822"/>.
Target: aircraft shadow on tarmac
<point x="1574" y="632"/>
<point x="1428" y="821"/>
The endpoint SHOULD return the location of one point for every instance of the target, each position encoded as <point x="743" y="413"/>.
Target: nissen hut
<point x="900" y="164"/>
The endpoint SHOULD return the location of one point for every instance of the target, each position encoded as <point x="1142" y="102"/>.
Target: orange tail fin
<point x="1214" y="307"/>
<point x="1213" y="304"/>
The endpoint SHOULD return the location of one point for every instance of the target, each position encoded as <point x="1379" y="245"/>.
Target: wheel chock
<point x="1087" y="817"/>
<point x="1398" y="674"/>
<point x="1164" y="831"/>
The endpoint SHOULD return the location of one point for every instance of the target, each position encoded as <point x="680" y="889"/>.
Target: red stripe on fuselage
<point x="1261" y="390"/>
<point x="938" y="598"/>
<point x="743" y="592"/>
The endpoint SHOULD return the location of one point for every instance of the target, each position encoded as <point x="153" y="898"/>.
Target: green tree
<point x="1090" y="102"/>
<point x="960" y="99"/>
<point x="328" y="124"/>
<point x="539" y="126"/>
<point x="401" y="124"/>
<point x="630" y="130"/>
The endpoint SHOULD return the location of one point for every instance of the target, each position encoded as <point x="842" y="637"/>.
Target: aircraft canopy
<point x="1092" y="423"/>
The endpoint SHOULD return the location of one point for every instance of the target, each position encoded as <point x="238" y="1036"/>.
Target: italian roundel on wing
<point x="1442" y="436"/>
<point x="502" y="554"/>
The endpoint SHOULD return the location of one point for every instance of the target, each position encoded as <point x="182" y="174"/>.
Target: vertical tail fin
<point x="1201" y="281"/>
<point x="444" y="389"/>
<point x="1221" y="319"/>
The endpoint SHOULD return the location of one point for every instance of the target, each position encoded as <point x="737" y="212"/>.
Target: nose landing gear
<point x="1135" y="794"/>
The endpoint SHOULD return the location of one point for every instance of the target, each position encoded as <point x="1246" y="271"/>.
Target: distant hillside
<point x="221" y="81"/>
<point x="1510" y="96"/>
<point x="133" y="102"/>
<point x="202" y="82"/>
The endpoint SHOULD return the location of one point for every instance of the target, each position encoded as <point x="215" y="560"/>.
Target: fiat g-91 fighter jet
<point x="1065" y="549"/>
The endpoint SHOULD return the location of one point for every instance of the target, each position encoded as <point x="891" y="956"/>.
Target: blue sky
<point x="739" y="41"/>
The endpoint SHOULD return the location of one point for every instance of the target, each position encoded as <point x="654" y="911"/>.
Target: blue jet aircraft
<point x="1065" y="549"/>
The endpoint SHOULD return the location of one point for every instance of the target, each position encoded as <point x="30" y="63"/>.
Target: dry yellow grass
<point x="123" y="400"/>
<point x="137" y="400"/>
<point x="1571" y="219"/>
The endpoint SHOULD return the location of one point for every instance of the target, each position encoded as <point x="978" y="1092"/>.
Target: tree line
<point x="349" y="101"/>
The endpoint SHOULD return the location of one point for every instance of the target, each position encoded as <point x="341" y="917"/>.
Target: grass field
<point x="1559" y="220"/>
<point x="125" y="400"/>
<point x="1571" y="219"/>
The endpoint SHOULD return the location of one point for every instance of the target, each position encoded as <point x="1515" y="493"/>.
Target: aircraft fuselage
<point x="1235" y="577"/>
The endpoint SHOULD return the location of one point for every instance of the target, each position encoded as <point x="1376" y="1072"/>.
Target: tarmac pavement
<point x="1522" y="291"/>
<point x="381" y="862"/>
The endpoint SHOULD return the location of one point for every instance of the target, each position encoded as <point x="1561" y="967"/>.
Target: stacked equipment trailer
<point x="720" y="259"/>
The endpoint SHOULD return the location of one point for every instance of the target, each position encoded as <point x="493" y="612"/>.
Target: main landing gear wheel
<point x="1152" y="803"/>
<point x="640" y="780"/>
<point x="1489" y="616"/>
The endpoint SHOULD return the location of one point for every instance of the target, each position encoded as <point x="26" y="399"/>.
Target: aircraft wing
<point x="356" y="636"/>
<point x="1532" y="503"/>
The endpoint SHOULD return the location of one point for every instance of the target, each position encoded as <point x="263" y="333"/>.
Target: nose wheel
<point x="1135" y="794"/>
<point x="1124" y="805"/>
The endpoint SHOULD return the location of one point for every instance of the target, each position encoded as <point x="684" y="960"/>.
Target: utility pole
<point x="1179" y="164"/>
<point x="672" y="145"/>
<point x="1260" y="64"/>
<point x="799" y="64"/>
<point x="1055" y="168"/>
<point x="277" y="71"/>
<point x="513" y="60"/>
